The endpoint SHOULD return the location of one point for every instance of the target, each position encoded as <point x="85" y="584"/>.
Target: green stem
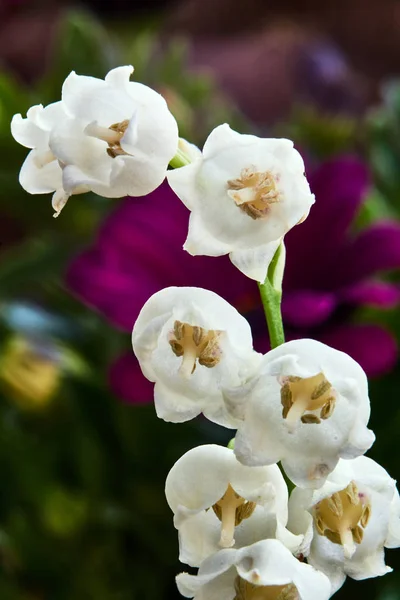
<point x="180" y="160"/>
<point x="271" y="299"/>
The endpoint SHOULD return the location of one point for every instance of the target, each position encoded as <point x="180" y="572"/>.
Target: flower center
<point x="195" y="343"/>
<point x="343" y="517"/>
<point x="310" y="399"/>
<point x="254" y="192"/>
<point x="231" y="510"/>
<point x="249" y="591"/>
<point x="112" y="135"/>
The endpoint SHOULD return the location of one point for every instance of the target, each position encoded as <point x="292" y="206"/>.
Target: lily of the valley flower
<point x="192" y="343"/>
<point x="244" y="194"/>
<point x="263" y="571"/>
<point x="348" y="522"/>
<point x="308" y="408"/>
<point x="219" y="503"/>
<point x="113" y="137"/>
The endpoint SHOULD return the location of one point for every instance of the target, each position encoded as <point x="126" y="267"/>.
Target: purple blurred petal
<point x="374" y="250"/>
<point x="307" y="308"/>
<point x="372" y="346"/>
<point x="128" y="382"/>
<point x="139" y="251"/>
<point x="372" y="293"/>
<point x="118" y="296"/>
<point x="339" y="186"/>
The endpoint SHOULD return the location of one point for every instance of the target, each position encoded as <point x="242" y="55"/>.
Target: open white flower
<point x="220" y="503"/>
<point x="113" y="137"/>
<point x="348" y="522"/>
<point x="263" y="571"/>
<point x="244" y="194"/>
<point x="308" y="408"/>
<point x="192" y="343"/>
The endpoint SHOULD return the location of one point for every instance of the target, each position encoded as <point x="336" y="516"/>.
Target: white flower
<point x="244" y="194"/>
<point x="263" y="571"/>
<point x="349" y="520"/>
<point x="217" y="502"/>
<point x="113" y="137"/>
<point x="192" y="343"/>
<point x="308" y="408"/>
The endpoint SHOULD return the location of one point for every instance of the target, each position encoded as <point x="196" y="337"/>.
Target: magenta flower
<point x="329" y="272"/>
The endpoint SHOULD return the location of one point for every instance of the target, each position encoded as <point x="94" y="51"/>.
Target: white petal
<point x="173" y="407"/>
<point x="393" y="538"/>
<point x="269" y="563"/>
<point x="182" y="182"/>
<point x="223" y="137"/>
<point x="199" y="240"/>
<point x="254" y="262"/>
<point x="120" y="76"/>
<point x="40" y="180"/>
<point x="91" y="99"/>
<point x="27" y="133"/>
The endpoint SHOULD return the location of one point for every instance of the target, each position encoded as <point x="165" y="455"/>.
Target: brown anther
<point x="194" y="344"/>
<point x="358" y="534"/>
<point x="320" y="389"/>
<point x="335" y="505"/>
<point x="179" y="330"/>
<point x="244" y="512"/>
<point x="244" y="590"/>
<point x="366" y="514"/>
<point x="328" y="408"/>
<point x="286" y="399"/>
<point x="352" y="493"/>
<point x="176" y="347"/>
<point x="114" y="148"/>
<point x="198" y="334"/>
<point x="310" y="418"/>
<point x="259" y="192"/>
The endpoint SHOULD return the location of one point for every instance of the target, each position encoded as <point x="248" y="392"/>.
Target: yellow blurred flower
<point x="30" y="373"/>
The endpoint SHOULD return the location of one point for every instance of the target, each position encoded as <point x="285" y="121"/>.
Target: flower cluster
<point x="302" y="408"/>
<point x="303" y="404"/>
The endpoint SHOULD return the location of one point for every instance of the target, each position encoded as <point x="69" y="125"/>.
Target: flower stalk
<point x="271" y="297"/>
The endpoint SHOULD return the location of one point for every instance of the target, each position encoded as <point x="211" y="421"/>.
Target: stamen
<point x="254" y="192"/>
<point x="298" y="396"/>
<point x="343" y="517"/>
<point x="194" y="344"/>
<point x="231" y="510"/>
<point x="244" y="590"/>
<point x="112" y="135"/>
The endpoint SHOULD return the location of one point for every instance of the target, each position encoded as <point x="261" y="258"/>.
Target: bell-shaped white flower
<point x="192" y="343"/>
<point x="244" y="194"/>
<point x="308" y="408"/>
<point x="113" y="137"/>
<point x="263" y="571"/>
<point x="220" y="503"/>
<point x="348" y="522"/>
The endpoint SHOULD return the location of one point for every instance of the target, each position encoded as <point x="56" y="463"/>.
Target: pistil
<point x="231" y="510"/>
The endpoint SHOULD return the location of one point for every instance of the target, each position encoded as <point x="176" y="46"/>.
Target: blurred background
<point x="83" y="459"/>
